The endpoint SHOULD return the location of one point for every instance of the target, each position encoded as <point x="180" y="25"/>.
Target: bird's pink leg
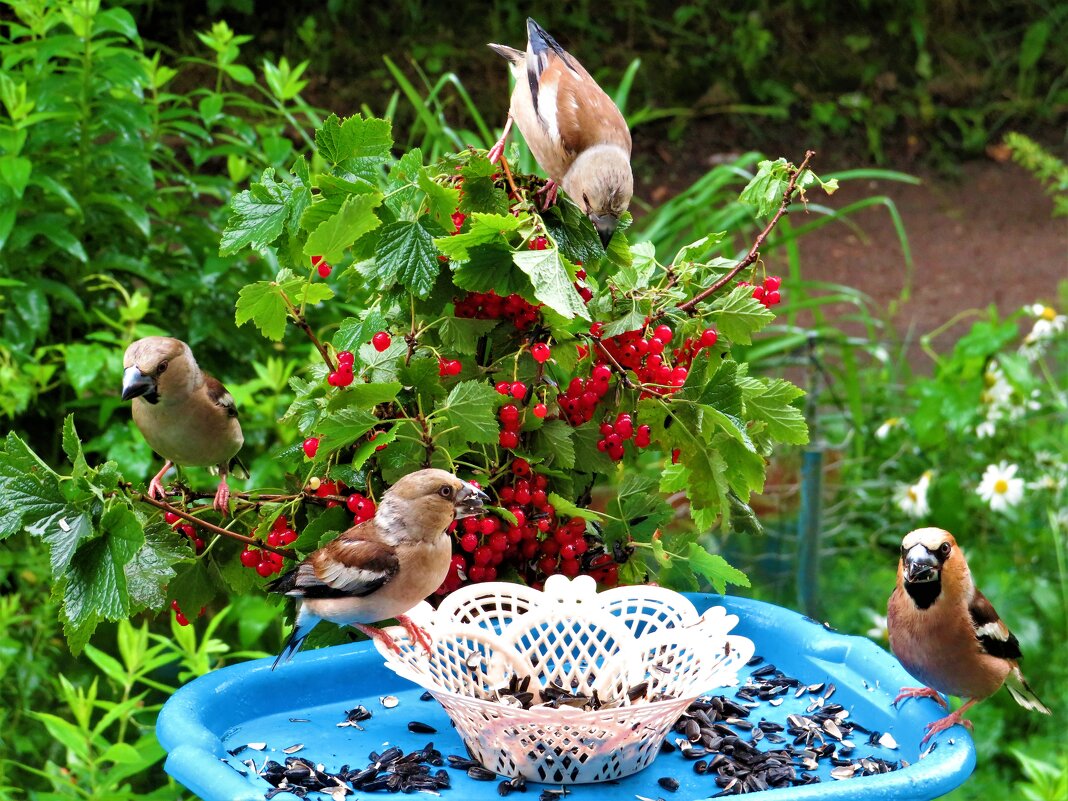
<point x="417" y="634"/>
<point x="377" y="634"/>
<point x="155" y="486"/>
<point x="222" y="494"/>
<point x="497" y="150"/>
<point x="548" y="194"/>
<point x="948" y="721"/>
<point x="920" y="692"/>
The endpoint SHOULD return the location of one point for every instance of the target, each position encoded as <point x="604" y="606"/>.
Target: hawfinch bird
<point x="946" y="633"/>
<point x="384" y="566"/>
<point x="572" y="127"/>
<point x="186" y="415"/>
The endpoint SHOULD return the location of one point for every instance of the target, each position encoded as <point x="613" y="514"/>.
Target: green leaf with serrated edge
<point x="421" y="376"/>
<point x="490" y="269"/>
<point x="84" y="363"/>
<point x="573" y="232"/>
<point x="344" y="427"/>
<point x="483" y="229"/>
<point x="565" y="508"/>
<point x="588" y="458"/>
<point x="739" y="315"/>
<point x="471" y="408"/>
<point x="441" y="200"/>
<point x="334" y="235"/>
<point x="639" y="272"/>
<point x="262" y="303"/>
<point x="354" y="139"/>
<point x="637" y="510"/>
<point x="354" y="331"/>
<point x="151" y="569"/>
<point x="366" y="449"/>
<point x="721" y="390"/>
<point x="553" y="286"/>
<point x="381" y="366"/>
<point x="552" y="442"/>
<point x="632" y="320"/>
<point x="72" y="446"/>
<point x="765" y="190"/>
<point x="257" y="215"/>
<point x="65" y="538"/>
<point x="695" y="250"/>
<point x="460" y="335"/>
<point x="715" y="568"/>
<point x="745" y="468"/>
<point x="406" y="254"/>
<point x="363" y="395"/>
<point x="192" y="586"/>
<point x="734" y="427"/>
<point x="327" y="525"/>
<point x="785" y="422"/>
<point x="403" y="195"/>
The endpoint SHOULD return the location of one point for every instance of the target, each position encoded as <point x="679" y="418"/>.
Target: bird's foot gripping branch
<point x="455" y="326"/>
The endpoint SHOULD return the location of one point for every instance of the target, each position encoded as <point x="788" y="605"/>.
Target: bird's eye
<point x="945" y="549"/>
<point x="445" y="491"/>
<point x="904" y="551"/>
<point x="162" y="367"/>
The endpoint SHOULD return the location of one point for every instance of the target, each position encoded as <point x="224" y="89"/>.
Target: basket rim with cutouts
<point x="567" y="685"/>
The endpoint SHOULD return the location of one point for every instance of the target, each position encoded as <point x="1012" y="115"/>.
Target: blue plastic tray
<point x="249" y="703"/>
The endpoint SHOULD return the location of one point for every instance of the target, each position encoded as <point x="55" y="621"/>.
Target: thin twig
<point x="288" y="553"/>
<point x="758" y="243"/>
<point x="300" y="320"/>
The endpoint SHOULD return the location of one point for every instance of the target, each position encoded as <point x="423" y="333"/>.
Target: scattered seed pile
<point x="717" y="735"/>
<point x="711" y="738"/>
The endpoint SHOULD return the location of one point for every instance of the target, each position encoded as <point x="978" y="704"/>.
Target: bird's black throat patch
<point x="924" y="593"/>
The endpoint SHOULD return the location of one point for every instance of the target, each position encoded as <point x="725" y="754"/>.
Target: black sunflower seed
<point x="415" y="727"/>
<point x="668" y="783"/>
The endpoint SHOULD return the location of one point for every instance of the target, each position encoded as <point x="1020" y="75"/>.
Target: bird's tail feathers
<point x="1022" y="693"/>
<point x="284" y="583"/>
<point x="540" y="40"/>
<point x="510" y="54"/>
<point x="301" y="630"/>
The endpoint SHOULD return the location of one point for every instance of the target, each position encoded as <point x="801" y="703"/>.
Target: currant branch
<point x="301" y="320"/>
<point x="754" y="252"/>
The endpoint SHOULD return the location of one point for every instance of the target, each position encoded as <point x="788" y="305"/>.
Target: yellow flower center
<point x="1001" y="486"/>
<point x="912" y="494"/>
<point x="1048" y="313"/>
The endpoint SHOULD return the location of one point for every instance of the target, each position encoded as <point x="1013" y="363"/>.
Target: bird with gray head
<point x="575" y="131"/>
<point x="382" y="567"/>
<point x="185" y="415"/>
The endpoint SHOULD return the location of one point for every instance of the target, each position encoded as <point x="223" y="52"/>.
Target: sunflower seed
<point x="888" y="741"/>
<point x="668" y="783"/>
<point x="388" y="701"/>
<point x="293" y="748"/>
<point x="415" y="727"/>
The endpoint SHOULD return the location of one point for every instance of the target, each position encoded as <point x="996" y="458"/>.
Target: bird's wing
<point x="218" y="395"/>
<point x="348" y="566"/>
<point x="993" y="635"/>
<point x="572" y="108"/>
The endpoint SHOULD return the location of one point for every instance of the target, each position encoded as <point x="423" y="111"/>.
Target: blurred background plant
<point x="117" y="160"/>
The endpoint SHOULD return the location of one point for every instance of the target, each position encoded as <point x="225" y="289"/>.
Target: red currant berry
<point x="324" y="269"/>
<point x="455" y="367"/>
<point x="181" y="619"/>
<point x="541" y="353"/>
<point x="539" y="243"/>
<point x="772" y="283"/>
<point x="709" y="337"/>
<point x="171" y="518"/>
<point x="469" y="542"/>
<point x="250" y="558"/>
<point x="353" y="502"/>
<point x="519" y="389"/>
<point x="540" y="410"/>
<point x="508" y="439"/>
<point x="381" y="341"/>
<point x="772" y="298"/>
<point x="596" y="329"/>
<point x="504" y="387"/>
<point x="663" y="333"/>
<point x="675" y="453"/>
<point x="345" y="357"/>
<point x="521" y="467"/>
<point x="265" y="568"/>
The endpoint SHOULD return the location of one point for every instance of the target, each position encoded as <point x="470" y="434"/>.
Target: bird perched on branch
<point x="573" y="128"/>
<point x="946" y="633"/>
<point x="185" y="415"/>
<point x="382" y="567"/>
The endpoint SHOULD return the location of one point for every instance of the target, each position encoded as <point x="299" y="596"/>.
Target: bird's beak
<point x="605" y="224"/>
<point x="135" y="384"/>
<point x="920" y="565"/>
<point x="469" y="500"/>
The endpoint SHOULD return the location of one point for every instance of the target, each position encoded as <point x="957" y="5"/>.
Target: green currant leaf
<point x="739" y="315"/>
<point x="151" y="569"/>
<point x="460" y="335"/>
<point x="471" y="408"/>
<point x="441" y="200"/>
<point x="765" y="190"/>
<point x="356" y="144"/>
<point x="406" y="254"/>
<point x="785" y="422"/>
<point x="483" y="229"/>
<point x="337" y="233"/>
<point x="552" y="443"/>
<point x="715" y="568"/>
<point x="257" y="215"/>
<point x="357" y="331"/>
<point x="553" y="285"/>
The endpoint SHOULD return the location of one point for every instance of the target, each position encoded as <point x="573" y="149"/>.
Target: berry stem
<point x="754" y="252"/>
<point x="166" y="507"/>
<point x="298" y="317"/>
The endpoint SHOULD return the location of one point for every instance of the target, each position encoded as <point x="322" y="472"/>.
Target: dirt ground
<point x="984" y="236"/>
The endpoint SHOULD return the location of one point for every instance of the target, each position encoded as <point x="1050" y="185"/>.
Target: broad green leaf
<point x="421" y="376"/>
<point x="490" y="269"/>
<point x="357" y="331"/>
<point x="565" y="508"/>
<point x="357" y="143"/>
<point x="153" y="566"/>
<point x="84" y="364"/>
<point x="785" y="422"/>
<point x="765" y="190"/>
<point x="460" y="335"/>
<point x="715" y="568"/>
<point x="192" y="587"/>
<point x="441" y="200"/>
<point x="363" y="395"/>
<point x="334" y="235"/>
<point x="632" y="320"/>
<point x="344" y="427"/>
<point x="262" y="303"/>
<point x="553" y="286"/>
<point x="471" y="408"/>
<point x="639" y="272"/>
<point x="483" y="229"/>
<point x="322" y="529"/>
<point x="739" y="315"/>
<point x="553" y="443"/>
<point x="257" y="215"/>
<point x="381" y="366"/>
<point x="406" y="254"/>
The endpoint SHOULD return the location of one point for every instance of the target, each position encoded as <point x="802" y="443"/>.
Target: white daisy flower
<point x="1000" y="488"/>
<point x="912" y="498"/>
<point x="987" y="428"/>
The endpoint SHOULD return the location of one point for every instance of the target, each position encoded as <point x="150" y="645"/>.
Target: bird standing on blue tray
<point x="185" y="415"/>
<point x="946" y="633"/>
<point x="572" y="127"/>
<point x="382" y="567"/>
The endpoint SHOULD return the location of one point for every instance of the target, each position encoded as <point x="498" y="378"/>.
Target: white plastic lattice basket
<point x="627" y="661"/>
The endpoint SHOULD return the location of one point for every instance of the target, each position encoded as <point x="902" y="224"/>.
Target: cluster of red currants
<point x="448" y="367"/>
<point x="188" y="529"/>
<point x="580" y="398"/>
<point x="614" y="435"/>
<point x="265" y="562"/>
<point x="768" y="292"/>
<point x="342" y="376"/>
<point x="491" y="306"/>
<point x="179" y="615"/>
<point x="319" y="263"/>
